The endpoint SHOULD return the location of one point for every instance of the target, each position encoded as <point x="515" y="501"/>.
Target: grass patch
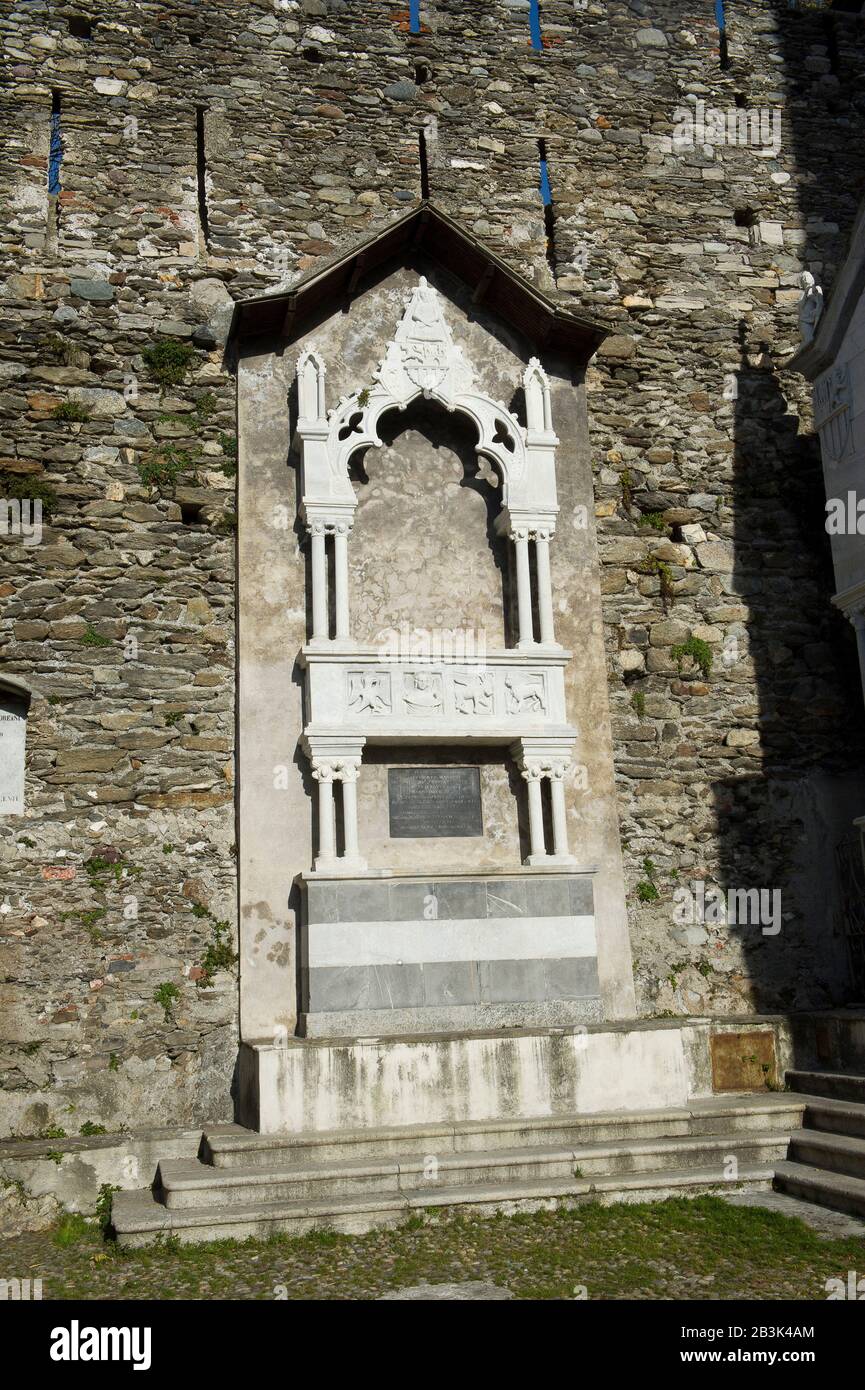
<point x="691" y="1249"/>
<point x="71" y="1228"/>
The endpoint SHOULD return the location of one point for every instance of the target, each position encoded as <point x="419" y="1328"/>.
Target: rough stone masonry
<point x="213" y="152"/>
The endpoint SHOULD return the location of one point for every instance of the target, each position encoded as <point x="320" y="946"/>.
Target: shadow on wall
<point x="780" y="825"/>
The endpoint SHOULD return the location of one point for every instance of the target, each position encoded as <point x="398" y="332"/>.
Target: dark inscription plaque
<point x="429" y="802"/>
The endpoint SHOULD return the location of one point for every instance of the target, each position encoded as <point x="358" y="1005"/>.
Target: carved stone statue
<point x="810" y="307"/>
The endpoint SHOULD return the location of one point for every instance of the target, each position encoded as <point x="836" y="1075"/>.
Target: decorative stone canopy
<point x="424" y="232"/>
<point x="423" y="360"/>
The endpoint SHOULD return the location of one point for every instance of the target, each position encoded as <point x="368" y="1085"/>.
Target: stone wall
<point x="115" y="1010"/>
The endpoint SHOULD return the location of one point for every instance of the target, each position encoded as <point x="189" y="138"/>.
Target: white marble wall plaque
<point x="13" y="728"/>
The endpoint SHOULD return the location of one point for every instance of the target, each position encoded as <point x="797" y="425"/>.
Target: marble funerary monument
<point x="452" y="830"/>
<point x="432" y="584"/>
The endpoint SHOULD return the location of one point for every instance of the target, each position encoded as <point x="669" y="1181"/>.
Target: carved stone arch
<point x="487" y="416"/>
<point x="422" y="359"/>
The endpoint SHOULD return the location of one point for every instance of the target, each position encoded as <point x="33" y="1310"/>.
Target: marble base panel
<point x="401" y="956"/>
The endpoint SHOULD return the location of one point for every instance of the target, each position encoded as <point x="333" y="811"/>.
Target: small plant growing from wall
<point x="638" y="703"/>
<point x="166" y="995"/>
<point x="28" y="488"/>
<point x="218" y="955"/>
<point x="699" y="652"/>
<point x="92" y="638"/>
<point x="168" y="361"/>
<point x="160" y="470"/>
<point x="647" y="888"/>
<point x="103" y="1204"/>
<point x="655" y="520"/>
<point x="71" y="410"/>
<point x="659" y="568"/>
<point x="90" y="1130"/>
<point x="229" y="449"/>
<point x="205" y="406"/>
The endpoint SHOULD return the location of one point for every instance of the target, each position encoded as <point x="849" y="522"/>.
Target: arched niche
<point x="425" y="557"/>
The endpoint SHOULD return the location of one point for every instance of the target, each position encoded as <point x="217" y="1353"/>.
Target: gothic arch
<point x="423" y="360"/>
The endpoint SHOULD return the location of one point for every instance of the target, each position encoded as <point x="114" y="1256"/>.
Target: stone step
<point x="139" y="1219"/>
<point x="840" y="1085"/>
<point x="182" y="1184"/>
<point x="839" y="1153"/>
<point x="245" y="1148"/>
<point x="836" y="1190"/>
<point x="835" y="1116"/>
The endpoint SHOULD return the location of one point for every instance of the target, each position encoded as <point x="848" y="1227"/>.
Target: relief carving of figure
<point x="369" y="693"/>
<point x="423" y="693"/>
<point x="525" y="694"/>
<point x="474" y="694"/>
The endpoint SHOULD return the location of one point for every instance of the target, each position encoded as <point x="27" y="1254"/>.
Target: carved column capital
<point x="532" y="772"/>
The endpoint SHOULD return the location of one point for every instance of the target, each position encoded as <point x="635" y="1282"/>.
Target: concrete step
<point x="837" y="1084"/>
<point x="839" y="1153"/>
<point x="834" y="1116"/>
<point x="139" y="1218"/>
<point x="836" y="1190"/>
<point x="245" y="1148"/>
<point x="182" y="1184"/>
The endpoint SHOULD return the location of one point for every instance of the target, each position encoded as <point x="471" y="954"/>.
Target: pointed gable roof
<point x="429" y="232"/>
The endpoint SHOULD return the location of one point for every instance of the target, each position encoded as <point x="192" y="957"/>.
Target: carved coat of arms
<point x="423" y="354"/>
<point x="832" y="402"/>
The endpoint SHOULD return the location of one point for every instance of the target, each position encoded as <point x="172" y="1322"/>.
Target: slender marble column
<point x="524" y="589"/>
<point x="532" y="774"/>
<point x="349" y="811"/>
<point x="560" y="817"/>
<point x="319" y="584"/>
<point x="340" y="558"/>
<point x="326" y="836"/>
<point x="545" y="587"/>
